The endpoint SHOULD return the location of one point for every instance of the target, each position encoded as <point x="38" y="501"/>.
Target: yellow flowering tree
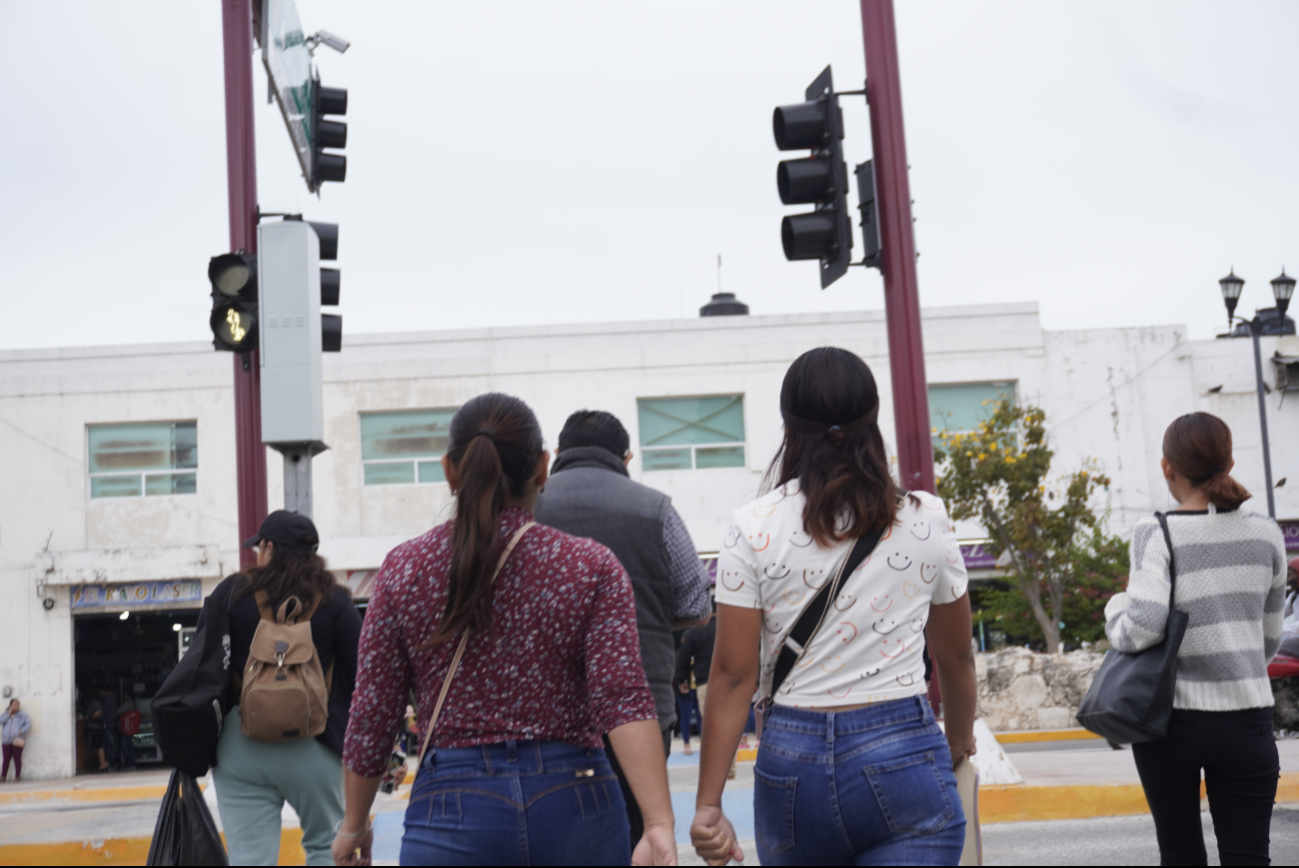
<point x="1000" y="475"/>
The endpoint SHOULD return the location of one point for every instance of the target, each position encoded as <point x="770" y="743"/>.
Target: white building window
<point x="959" y="408"/>
<point x="145" y="458"/>
<point x="405" y="447"/>
<point x="691" y="433"/>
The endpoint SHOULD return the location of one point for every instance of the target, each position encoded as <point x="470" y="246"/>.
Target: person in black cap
<point x="254" y="779"/>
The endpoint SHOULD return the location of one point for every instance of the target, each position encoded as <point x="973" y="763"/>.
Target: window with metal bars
<point x="691" y="433"/>
<point x="404" y="447"/>
<point x="143" y="459"/>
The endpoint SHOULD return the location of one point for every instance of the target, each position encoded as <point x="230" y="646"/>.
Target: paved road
<point x="1113" y="841"/>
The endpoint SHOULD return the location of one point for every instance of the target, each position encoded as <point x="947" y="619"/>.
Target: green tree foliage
<point x="1060" y="564"/>
<point x="1102" y="572"/>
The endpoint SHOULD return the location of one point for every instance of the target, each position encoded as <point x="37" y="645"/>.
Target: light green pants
<point x="254" y="780"/>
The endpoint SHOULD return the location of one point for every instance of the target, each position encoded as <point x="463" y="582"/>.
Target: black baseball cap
<point x="288" y="529"/>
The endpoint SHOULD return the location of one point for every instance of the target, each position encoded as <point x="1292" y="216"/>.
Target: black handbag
<point x="1131" y="698"/>
<point x="192" y="703"/>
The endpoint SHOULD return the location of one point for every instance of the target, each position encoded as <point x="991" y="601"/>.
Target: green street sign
<point x="288" y="63"/>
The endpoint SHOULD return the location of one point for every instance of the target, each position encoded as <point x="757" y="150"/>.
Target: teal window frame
<point x="676" y="436"/>
<point x="408" y="463"/>
<point x="142" y="459"/>
<point x="969" y="416"/>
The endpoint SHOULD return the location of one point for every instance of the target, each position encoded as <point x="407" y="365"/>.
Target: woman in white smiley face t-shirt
<point x="850" y="729"/>
<point x="868" y="649"/>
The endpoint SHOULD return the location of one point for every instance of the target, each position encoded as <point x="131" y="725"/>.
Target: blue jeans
<point x="687" y="703"/>
<point x="516" y="803"/>
<point x="872" y="786"/>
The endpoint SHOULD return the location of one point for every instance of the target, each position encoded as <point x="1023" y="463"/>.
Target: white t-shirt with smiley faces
<point x="868" y="648"/>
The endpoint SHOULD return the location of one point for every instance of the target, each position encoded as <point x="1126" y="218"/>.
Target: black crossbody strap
<point x="1172" y="570"/>
<point x="810" y="621"/>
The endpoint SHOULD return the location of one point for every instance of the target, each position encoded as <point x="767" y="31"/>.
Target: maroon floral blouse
<point x="560" y="663"/>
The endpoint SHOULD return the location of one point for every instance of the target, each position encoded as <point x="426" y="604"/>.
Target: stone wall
<point x="1019" y="689"/>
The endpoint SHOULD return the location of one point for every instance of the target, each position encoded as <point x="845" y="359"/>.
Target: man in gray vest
<point x="590" y="494"/>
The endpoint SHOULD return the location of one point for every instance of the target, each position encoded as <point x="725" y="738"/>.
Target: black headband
<point x="799" y="424"/>
<point x="485" y="432"/>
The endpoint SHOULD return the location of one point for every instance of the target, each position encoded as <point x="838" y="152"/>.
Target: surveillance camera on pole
<point x="291" y="289"/>
<point x="324" y="37"/>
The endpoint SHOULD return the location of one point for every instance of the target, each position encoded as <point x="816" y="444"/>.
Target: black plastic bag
<point x="189" y="708"/>
<point x="185" y="833"/>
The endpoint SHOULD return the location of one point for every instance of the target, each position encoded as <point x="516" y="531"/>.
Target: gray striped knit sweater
<point x="1231" y="572"/>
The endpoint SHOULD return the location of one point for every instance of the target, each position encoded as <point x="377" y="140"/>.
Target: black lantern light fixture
<point x="1270" y="322"/>
<point x="1282" y="289"/>
<point x="1231" y="287"/>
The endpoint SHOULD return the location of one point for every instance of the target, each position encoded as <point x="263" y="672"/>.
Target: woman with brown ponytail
<point x="520" y="642"/>
<point x="1230" y="571"/>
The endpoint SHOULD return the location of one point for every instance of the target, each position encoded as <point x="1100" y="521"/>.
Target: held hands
<point x="346" y="846"/>
<point x="658" y="846"/>
<point x="714" y="837"/>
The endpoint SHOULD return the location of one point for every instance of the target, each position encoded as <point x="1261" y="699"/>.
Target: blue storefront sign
<point x="137" y="594"/>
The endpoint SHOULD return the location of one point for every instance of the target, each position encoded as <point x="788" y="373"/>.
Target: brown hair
<point x="495" y="443"/>
<point x="1198" y="446"/>
<point x="833" y="446"/>
<point x="291" y="573"/>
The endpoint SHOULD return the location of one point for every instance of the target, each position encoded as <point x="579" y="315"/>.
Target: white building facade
<point x="118" y="467"/>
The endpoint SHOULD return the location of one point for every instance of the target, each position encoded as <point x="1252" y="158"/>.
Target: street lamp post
<point x="1282" y="289"/>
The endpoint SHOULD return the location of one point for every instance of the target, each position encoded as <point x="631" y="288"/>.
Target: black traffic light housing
<point x="327" y="134"/>
<point x="234" y="301"/>
<point x="820" y="179"/>
<point x="331" y="279"/>
<point x="870" y="215"/>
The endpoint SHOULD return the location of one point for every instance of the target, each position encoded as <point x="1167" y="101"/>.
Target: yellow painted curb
<point x="1079" y="801"/>
<point x="746" y="755"/>
<point x="1011" y="803"/>
<point x="120" y="851"/>
<point x="1044" y="735"/>
<point x="86" y="794"/>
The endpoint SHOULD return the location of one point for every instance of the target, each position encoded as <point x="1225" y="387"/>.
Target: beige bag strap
<point x="460" y="650"/>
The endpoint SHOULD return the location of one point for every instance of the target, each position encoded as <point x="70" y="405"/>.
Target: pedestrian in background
<point x="852" y="767"/>
<point x="128" y="724"/>
<point x="520" y="642"/>
<point x="1230" y="572"/>
<point x="96" y="728"/>
<point x="112" y="733"/>
<point x="694" y="660"/>
<point x="14" y="726"/>
<point x="254" y="778"/>
<point x="589" y="493"/>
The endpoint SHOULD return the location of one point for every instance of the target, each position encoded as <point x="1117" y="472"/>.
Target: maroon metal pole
<point x="241" y="182"/>
<point x="898" y="248"/>
<point x="898" y="255"/>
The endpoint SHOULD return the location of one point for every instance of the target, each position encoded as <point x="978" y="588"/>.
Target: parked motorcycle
<point x="1284" y="674"/>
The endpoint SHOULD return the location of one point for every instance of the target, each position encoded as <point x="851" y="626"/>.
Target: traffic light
<point x="294" y="332"/>
<point x="327" y="134"/>
<point x="331" y="280"/>
<point x="821" y="179"/>
<point x="234" y="301"/>
<point x="870" y="215"/>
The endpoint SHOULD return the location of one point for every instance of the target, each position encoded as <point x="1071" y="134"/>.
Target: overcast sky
<point x="518" y="163"/>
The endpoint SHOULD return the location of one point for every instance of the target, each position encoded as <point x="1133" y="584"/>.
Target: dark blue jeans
<point x="687" y="704"/>
<point x="516" y="803"/>
<point x="872" y="786"/>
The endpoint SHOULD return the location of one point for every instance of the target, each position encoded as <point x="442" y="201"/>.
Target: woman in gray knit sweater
<point x="1231" y="575"/>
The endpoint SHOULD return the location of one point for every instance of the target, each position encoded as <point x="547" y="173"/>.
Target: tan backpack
<point x="285" y="695"/>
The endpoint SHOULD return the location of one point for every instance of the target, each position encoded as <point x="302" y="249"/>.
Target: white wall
<point x="1108" y="394"/>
